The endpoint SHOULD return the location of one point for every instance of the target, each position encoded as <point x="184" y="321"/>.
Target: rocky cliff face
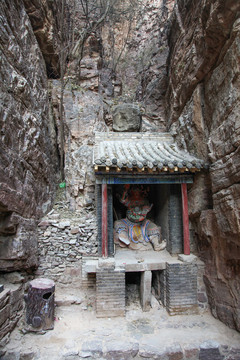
<point x="26" y="167"/>
<point x="203" y="97"/>
<point x="45" y="25"/>
<point x="83" y="117"/>
<point x="137" y="63"/>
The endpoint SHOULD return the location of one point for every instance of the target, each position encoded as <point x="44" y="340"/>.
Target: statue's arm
<point x="155" y="237"/>
<point x="121" y="232"/>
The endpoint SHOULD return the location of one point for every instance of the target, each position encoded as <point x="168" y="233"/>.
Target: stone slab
<point x="187" y="258"/>
<point x="145" y="290"/>
<point x="135" y="261"/>
<point x="91" y="266"/>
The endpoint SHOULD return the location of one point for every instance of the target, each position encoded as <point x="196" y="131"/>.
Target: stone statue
<point x="136" y="231"/>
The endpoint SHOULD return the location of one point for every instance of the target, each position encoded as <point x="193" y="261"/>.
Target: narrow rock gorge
<point x="63" y="74"/>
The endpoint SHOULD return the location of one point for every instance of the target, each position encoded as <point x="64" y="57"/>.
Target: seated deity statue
<point x="136" y="231"/>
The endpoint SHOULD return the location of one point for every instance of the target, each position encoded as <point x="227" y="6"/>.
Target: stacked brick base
<point x="181" y="289"/>
<point x="178" y="288"/>
<point x="110" y="291"/>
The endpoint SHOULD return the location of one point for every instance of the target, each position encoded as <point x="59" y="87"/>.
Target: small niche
<point x="47" y="295"/>
<point x="133" y="289"/>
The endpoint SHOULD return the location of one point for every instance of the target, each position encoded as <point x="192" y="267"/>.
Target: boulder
<point x="126" y="117"/>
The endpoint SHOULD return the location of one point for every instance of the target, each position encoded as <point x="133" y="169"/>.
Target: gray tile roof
<point x="142" y="152"/>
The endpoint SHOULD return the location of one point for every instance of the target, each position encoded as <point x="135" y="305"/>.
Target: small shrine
<point x="143" y="226"/>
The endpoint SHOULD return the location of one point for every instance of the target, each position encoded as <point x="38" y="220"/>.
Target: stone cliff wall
<point x="27" y="173"/>
<point x="42" y="15"/>
<point x="203" y="96"/>
<point x="136" y="63"/>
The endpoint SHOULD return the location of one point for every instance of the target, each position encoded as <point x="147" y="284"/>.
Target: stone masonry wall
<point x="64" y="237"/>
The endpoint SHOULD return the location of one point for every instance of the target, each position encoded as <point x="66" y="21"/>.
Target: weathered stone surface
<point x="187" y="258"/>
<point x="68" y="300"/>
<point x="121" y="350"/>
<point x="222" y="291"/>
<point x="14" y="278"/>
<point x="175" y="352"/>
<point x="204" y="47"/>
<point x="126" y="117"/>
<point x="26" y="171"/>
<point x="145" y="290"/>
<point x="225" y="172"/>
<point x="234" y="354"/>
<point x="42" y="15"/>
<point x="83" y="116"/>
<point x="28" y="355"/>
<point x="134" y="66"/>
<point x="191" y="352"/>
<point x="196" y="203"/>
<point x="151" y="351"/>
<point x="93" y="347"/>
<point x="210" y="350"/>
<point x="226" y="205"/>
<point x="190" y="130"/>
<point x="198" y="36"/>
<point x="11" y="305"/>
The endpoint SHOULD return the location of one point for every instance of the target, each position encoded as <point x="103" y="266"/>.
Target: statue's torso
<point x="135" y="236"/>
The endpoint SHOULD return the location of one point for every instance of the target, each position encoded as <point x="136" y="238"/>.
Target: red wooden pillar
<point x="186" y="237"/>
<point x="104" y="222"/>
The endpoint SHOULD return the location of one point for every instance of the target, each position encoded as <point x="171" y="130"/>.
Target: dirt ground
<point x="79" y="334"/>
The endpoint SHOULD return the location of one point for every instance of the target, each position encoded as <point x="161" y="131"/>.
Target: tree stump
<point x="40" y="304"/>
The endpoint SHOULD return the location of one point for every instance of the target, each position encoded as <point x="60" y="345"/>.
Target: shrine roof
<point x="141" y="152"/>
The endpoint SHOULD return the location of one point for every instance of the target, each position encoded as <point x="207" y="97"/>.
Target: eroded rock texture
<point x="26" y="170"/>
<point x="126" y="117"/>
<point x="203" y="94"/>
<point x="42" y="15"/>
<point x="83" y="112"/>
<point x="135" y="49"/>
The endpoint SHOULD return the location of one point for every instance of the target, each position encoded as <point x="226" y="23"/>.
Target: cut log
<point x="40" y="304"/>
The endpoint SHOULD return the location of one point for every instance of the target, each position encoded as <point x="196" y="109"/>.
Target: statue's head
<point x="138" y="206"/>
